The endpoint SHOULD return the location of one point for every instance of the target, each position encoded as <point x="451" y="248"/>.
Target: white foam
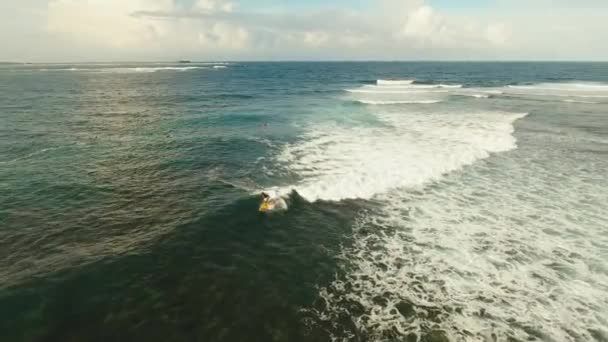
<point x="564" y="86"/>
<point x="336" y="163"/>
<point x="486" y="244"/>
<point x="121" y="70"/>
<point x="502" y="244"/>
<point x="393" y="82"/>
<point x="404" y="89"/>
<point x="219" y="67"/>
<point x="452" y="86"/>
<point x="394" y="90"/>
<point x="577" y="101"/>
<point x="59" y="69"/>
<point x="155" y="69"/>
<point x="478" y="96"/>
<point x="560" y="90"/>
<point x="372" y="102"/>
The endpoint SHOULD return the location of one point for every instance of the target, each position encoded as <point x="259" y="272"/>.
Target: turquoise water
<point x="427" y="201"/>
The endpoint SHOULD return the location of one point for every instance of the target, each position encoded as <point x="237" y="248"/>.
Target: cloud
<point x="402" y="27"/>
<point x="221" y="29"/>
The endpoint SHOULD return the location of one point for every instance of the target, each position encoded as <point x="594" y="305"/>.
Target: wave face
<point x="411" y="150"/>
<point x="560" y="90"/>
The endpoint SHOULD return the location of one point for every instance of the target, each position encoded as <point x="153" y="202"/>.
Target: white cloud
<point x="214" y="5"/>
<point x="315" y="38"/>
<point x="219" y="29"/>
<point x="107" y="23"/>
<point x="498" y="34"/>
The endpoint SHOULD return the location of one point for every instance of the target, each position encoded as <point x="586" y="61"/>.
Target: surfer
<point x="272" y="202"/>
<point x="265" y="197"/>
<point x="266" y="204"/>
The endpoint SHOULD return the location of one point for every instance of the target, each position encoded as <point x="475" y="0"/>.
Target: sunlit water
<point x="427" y="202"/>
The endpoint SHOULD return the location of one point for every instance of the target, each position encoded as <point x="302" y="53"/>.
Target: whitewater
<point x="457" y="247"/>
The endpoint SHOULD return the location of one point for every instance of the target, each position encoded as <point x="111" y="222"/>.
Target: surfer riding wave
<point x="271" y="203"/>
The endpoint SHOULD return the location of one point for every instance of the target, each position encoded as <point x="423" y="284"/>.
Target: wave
<point x="59" y="69"/>
<point x="564" y="86"/>
<point x="577" y="101"/>
<point x="219" y="67"/>
<point x="372" y="102"/>
<point x="336" y="163"/>
<point x="425" y="253"/>
<point x="155" y="69"/>
<point x="557" y="95"/>
<point x="394" y="91"/>
<point x="127" y="69"/>
<point x="393" y="82"/>
<point x="478" y="96"/>
<point x="451" y="86"/>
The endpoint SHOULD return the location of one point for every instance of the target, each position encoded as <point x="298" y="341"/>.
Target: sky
<point x="167" y="30"/>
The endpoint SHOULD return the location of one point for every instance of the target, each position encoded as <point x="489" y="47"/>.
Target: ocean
<point x="427" y="201"/>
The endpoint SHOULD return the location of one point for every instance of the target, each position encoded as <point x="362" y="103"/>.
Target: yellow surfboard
<point x="265" y="206"/>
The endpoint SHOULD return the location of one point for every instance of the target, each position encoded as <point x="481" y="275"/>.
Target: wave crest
<point x="336" y="163"/>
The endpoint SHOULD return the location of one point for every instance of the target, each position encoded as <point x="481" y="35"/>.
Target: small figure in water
<point x="265" y="197"/>
<point x="272" y="203"/>
<point x="266" y="204"/>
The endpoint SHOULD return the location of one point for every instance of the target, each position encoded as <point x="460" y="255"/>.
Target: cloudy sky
<point x="156" y="30"/>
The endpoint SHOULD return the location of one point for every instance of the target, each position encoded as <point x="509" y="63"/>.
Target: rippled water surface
<point x="427" y="202"/>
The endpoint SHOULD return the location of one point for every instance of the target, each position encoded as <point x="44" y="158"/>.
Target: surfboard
<point x="266" y="206"/>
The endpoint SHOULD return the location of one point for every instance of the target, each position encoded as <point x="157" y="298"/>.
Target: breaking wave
<point x="336" y="163"/>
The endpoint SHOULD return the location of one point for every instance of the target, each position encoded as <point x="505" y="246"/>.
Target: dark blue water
<point x="128" y="207"/>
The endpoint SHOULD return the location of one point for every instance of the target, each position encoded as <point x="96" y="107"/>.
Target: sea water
<point x="427" y="201"/>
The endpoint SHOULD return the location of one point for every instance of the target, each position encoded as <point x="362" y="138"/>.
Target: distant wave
<point x="412" y="84"/>
<point x="563" y="86"/>
<point x="478" y="96"/>
<point x="556" y="95"/>
<point x="372" y="102"/>
<point x="219" y="67"/>
<point x="59" y="69"/>
<point x="155" y="69"/>
<point x="393" y="82"/>
<point x="381" y="90"/>
<point x="119" y="69"/>
<point x="577" y="101"/>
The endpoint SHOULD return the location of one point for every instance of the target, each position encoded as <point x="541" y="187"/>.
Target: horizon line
<point x="185" y="61"/>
